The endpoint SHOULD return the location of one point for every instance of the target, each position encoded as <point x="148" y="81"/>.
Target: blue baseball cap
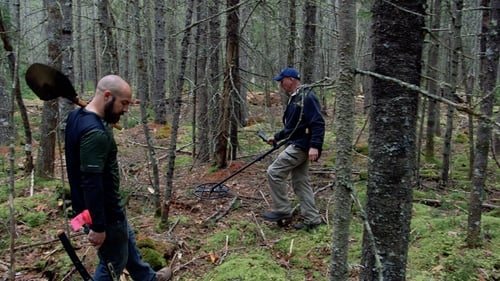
<point x="288" y="72"/>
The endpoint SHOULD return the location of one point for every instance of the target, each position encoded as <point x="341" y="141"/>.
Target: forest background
<point x="408" y="183"/>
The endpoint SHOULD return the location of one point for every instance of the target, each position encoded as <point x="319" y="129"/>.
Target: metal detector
<point x="214" y="190"/>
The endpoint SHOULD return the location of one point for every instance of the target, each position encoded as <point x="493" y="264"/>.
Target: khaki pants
<point x="292" y="161"/>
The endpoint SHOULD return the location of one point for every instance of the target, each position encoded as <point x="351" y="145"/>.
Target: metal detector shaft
<point x="262" y="156"/>
<point x="72" y="255"/>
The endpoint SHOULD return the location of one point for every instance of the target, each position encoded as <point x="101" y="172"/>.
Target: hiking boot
<point x="275" y="216"/>
<point x="164" y="274"/>
<point x="307" y="226"/>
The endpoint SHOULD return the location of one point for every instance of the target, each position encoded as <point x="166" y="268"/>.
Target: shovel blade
<point x="48" y="83"/>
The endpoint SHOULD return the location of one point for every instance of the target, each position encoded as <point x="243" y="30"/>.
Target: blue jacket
<point x="304" y="125"/>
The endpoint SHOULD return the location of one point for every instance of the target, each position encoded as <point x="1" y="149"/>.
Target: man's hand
<point x="271" y="141"/>
<point x="313" y="154"/>
<point x="96" y="238"/>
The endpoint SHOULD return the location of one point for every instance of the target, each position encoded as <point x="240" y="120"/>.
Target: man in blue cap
<point x="303" y="132"/>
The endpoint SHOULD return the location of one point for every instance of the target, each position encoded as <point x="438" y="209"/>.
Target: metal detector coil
<point x="219" y="190"/>
<point x="211" y="190"/>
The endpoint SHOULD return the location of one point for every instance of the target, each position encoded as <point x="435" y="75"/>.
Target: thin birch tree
<point x="344" y="117"/>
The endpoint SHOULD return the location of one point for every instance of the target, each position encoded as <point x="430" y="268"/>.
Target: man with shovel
<point x="93" y="174"/>
<point x="303" y="132"/>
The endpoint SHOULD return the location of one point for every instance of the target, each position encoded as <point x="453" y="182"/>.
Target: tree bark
<point x="398" y="37"/>
<point x="487" y="81"/>
<point x="201" y="148"/>
<point x="142" y="89"/>
<point x="434" y="75"/>
<point x="230" y="77"/>
<point x="451" y="91"/>
<point x="309" y="51"/>
<point x="214" y="70"/>
<point x="65" y="105"/>
<point x="177" y="112"/>
<point x="160" y="74"/>
<point x="292" y="33"/>
<point x="14" y="71"/>
<point x="46" y="150"/>
<point x="107" y="51"/>
<point x="344" y="116"/>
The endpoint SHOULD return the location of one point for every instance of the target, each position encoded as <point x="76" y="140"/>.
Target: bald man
<point x="94" y="179"/>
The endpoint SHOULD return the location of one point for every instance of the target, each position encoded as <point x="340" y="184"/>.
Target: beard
<point x="109" y="116"/>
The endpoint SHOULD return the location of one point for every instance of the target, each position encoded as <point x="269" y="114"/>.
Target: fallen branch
<point x="429" y="202"/>
<point x="490" y="206"/>
<point x="438" y="203"/>
<point x="260" y="228"/>
<point x="41" y="243"/>
<point x="189" y="262"/>
<point x="219" y="214"/>
<point x="226" y="250"/>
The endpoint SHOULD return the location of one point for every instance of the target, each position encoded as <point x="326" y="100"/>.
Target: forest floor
<point x="226" y="239"/>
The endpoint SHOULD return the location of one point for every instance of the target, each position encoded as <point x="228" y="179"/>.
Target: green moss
<point x="461" y="137"/>
<point x="153" y="257"/>
<point x="255" y="266"/>
<point x="437" y="247"/>
<point x="146" y="243"/>
<point x="25" y="210"/>
<point x="361" y="148"/>
<point x="35" y="219"/>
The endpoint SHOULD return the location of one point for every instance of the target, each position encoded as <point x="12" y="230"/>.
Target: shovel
<point x="49" y="83"/>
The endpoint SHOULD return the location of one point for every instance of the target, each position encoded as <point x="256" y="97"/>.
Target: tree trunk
<point x="344" y="116"/>
<point x="160" y="73"/>
<point x="65" y="105"/>
<point x="79" y="72"/>
<point x="237" y="97"/>
<point x="173" y="55"/>
<point x="309" y="51"/>
<point x="46" y="150"/>
<point x="201" y="148"/>
<point x="292" y="29"/>
<point x="107" y="44"/>
<point x="177" y="112"/>
<point x="14" y="71"/>
<point x="398" y="37"/>
<point x="434" y="75"/>
<point x="451" y="91"/>
<point x="213" y="80"/>
<point x="487" y="81"/>
<point x="230" y="77"/>
<point x="6" y="120"/>
<point x="142" y="89"/>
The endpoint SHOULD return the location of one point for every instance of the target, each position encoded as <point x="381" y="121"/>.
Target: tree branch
<point x="458" y="107"/>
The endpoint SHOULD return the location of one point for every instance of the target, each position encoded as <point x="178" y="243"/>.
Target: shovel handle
<point x="73" y="256"/>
